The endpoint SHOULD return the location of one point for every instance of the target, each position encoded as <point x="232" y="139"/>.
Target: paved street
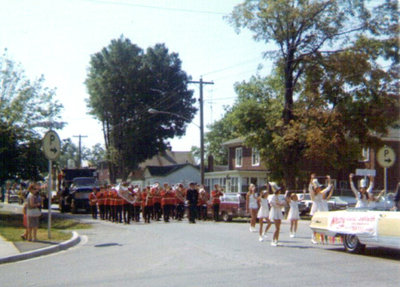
<point x="202" y="254"/>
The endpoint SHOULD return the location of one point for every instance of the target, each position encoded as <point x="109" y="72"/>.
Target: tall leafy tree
<point x="24" y="106"/>
<point x="123" y="83"/>
<point x="313" y="39"/>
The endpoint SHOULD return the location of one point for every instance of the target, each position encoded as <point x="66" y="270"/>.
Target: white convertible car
<point x="356" y="228"/>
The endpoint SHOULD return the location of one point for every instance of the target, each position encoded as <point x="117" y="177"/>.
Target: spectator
<point x="33" y="211"/>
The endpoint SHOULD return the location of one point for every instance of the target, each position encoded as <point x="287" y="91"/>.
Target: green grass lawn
<point x="11" y="227"/>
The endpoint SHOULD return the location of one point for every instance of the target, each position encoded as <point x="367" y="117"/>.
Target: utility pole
<point x="201" y="83"/>
<point x="80" y="150"/>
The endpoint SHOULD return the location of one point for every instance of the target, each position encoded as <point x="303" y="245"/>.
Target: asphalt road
<point x="202" y="254"/>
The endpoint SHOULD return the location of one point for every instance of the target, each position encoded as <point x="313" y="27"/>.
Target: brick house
<point x="244" y="167"/>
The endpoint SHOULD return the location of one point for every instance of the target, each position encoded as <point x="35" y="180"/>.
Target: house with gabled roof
<point x="172" y="174"/>
<point x="169" y="166"/>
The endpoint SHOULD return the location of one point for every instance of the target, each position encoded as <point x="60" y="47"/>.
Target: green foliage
<point x="123" y="83"/>
<point x="333" y="101"/>
<point x="24" y="106"/>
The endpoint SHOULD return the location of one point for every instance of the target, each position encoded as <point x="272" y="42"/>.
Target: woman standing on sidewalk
<point x="33" y="212"/>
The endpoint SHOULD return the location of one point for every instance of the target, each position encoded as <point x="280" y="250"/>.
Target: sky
<point x="57" y="38"/>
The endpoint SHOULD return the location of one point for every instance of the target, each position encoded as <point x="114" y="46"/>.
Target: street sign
<point x="386" y="157"/>
<point x="365" y="172"/>
<point x="51" y="145"/>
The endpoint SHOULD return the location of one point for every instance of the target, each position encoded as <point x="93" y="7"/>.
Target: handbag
<point x="34" y="212"/>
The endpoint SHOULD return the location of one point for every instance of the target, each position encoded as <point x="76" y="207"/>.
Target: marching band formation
<point x="125" y="203"/>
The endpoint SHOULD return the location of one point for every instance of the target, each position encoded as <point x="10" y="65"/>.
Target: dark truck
<point x="76" y="187"/>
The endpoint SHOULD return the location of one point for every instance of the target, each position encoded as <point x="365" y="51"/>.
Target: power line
<point x="157" y="7"/>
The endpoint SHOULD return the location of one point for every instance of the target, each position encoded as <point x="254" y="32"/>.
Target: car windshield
<point x="84" y="181"/>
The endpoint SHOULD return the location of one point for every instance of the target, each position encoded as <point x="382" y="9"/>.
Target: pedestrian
<point x="252" y="206"/>
<point x="192" y="196"/>
<point x="202" y="204"/>
<point x="180" y="195"/>
<point x="263" y="212"/>
<point x="364" y="195"/>
<point x="275" y="213"/>
<point x="33" y="211"/>
<point x="293" y="216"/>
<point x="93" y="202"/>
<point x="137" y="203"/>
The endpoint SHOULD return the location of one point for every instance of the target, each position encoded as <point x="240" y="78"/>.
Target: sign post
<point x="386" y="158"/>
<point x="51" y="148"/>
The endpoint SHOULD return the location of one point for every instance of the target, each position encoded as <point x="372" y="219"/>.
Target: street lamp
<point x="201" y="127"/>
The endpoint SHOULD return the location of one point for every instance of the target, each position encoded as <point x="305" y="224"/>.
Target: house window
<point x="255" y="157"/>
<point x="364" y="155"/>
<point x="234" y="184"/>
<point x="238" y="158"/>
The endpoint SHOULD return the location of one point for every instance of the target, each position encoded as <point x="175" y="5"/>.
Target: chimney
<point x="210" y="163"/>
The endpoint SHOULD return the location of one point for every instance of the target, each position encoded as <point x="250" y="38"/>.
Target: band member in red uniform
<point x="113" y="204"/>
<point x="147" y="203"/>
<point x="167" y="201"/>
<point x="215" y="197"/>
<point x="126" y="206"/>
<point x="156" y="193"/>
<point x="119" y="205"/>
<point x="107" y="203"/>
<point x="202" y="204"/>
<point x="93" y="202"/>
<point x="180" y="195"/>
<point x="137" y="204"/>
<point x="100" y="202"/>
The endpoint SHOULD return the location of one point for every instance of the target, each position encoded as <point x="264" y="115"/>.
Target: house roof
<point x="168" y="158"/>
<point x="166" y="170"/>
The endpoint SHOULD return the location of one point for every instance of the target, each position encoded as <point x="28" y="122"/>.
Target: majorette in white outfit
<point x="318" y="201"/>
<point x="362" y="199"/>
<point x="263" y="211"/>
<point x="276" y="208"/>
<point x="294" y="210"/>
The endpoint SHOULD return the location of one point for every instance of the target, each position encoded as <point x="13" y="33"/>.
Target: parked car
<point x="305" y="203"/>
<point x="232" y="205"/>
<point x="358" y="228"/>
<point x="341" y="202"/>
<point x="11" y="196"/>
<point x="385" y="202"/>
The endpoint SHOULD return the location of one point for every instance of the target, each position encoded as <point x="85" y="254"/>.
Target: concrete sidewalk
<point x="22" y="250"/>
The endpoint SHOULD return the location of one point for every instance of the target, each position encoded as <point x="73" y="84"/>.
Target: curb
<point x="75" y="239"/>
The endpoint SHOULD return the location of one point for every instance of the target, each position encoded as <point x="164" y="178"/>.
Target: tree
<point x="123" y="83"/>
<point x="96" y="154"/>
<point x="219" y="132"/>
<point x="313" y="37"/>
<point x="24" y="106"/>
